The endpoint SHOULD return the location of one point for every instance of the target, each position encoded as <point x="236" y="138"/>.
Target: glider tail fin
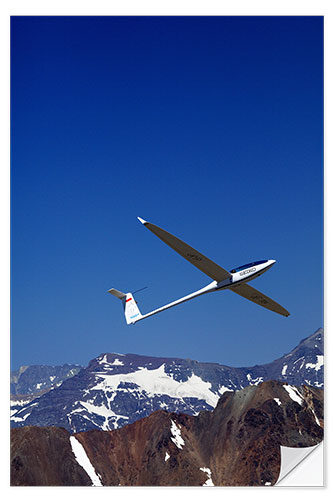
<point x="131" y="310"/>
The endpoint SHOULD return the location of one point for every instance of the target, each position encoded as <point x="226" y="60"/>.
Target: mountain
<point x="303" y="365"/>
<point x="29" y="382"/>
<point x="236" y="444"/>
<point x="118" y="389"/>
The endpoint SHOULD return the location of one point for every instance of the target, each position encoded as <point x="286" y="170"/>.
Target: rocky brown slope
<point x="236" y="444"/>
<point x="42" y="456"/>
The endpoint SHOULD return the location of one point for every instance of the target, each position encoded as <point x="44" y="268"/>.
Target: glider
<point x="234" y="280"/>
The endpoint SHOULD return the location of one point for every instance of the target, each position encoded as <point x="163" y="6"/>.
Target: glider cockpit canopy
<point x="245" y="266"/>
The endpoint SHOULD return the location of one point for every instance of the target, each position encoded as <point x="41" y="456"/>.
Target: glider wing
<point x="250" y="293"/>
<point x="196" y="258"/>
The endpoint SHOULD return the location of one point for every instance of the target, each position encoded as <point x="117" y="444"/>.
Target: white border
<point x="145" y="7"/>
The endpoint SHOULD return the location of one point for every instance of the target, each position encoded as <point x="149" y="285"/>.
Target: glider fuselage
<point x="247" y="272"/>
<point x="239" y="275"/>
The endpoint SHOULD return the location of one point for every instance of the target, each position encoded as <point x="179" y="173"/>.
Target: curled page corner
<point x="295" y="466"/>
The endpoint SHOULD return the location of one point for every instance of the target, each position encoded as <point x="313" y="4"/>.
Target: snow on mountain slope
<point x="118" y="389"/>
<point x="158" y="382"/>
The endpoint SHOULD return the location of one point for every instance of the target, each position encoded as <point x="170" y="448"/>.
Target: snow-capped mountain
<point x="236" y="444"/>
<point x="118" y="389"/>
<point x="303" y="365"/>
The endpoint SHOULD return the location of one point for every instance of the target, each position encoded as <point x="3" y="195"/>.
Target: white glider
<point x="234" y="280"/>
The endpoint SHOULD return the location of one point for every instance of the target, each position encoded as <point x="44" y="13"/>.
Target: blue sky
<point x="212" y="128"/>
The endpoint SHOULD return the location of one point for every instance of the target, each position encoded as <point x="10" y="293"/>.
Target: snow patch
<point x="254" y="381"/>
<point x="209" y="481"/>
<point x="69" y="419"/>
<point x="117" y="362"/>
<point x="294" y="394"/>
<point x="297" y="360"/>
<point x="103" y="412"/>
<point x="277" y="401"/>
<point x="315" y="383"/>
<point x="223" y="389"/>
<point x="167" y="456"/>
<point x="20" y="419"/>
<point x="19" y="402"/>
<point x="284" y="370"/>
<point x="318" y="365"/>
<point x="157" y="381"/>
<point x="316" y="418"/>
<point x="83" y="460"/>
<point x="177" y="437"/>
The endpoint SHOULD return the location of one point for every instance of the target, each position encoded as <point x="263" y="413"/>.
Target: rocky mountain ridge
<point x="117" y="389"/>
<point x="32" y="379"/>
<point x="29" y="382"/>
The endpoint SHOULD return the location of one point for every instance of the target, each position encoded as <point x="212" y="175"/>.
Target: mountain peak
<point x="117" y="389"/>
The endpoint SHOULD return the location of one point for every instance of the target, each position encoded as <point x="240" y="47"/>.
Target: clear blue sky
<point x="212" y="128"/>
